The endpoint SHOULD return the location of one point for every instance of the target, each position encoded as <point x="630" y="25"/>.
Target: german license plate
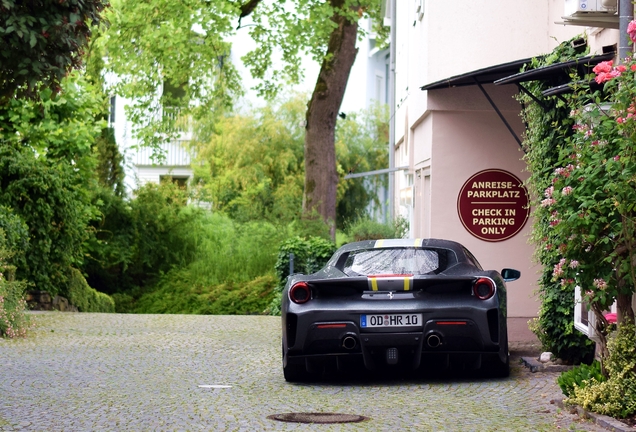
<point x="390" y="320"/>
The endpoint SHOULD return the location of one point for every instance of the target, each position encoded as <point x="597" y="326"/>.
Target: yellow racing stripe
<point x="374" y="284"/>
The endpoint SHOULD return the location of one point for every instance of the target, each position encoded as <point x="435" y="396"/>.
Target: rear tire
<point x="498" y="368"/>
<point x="501" y="369"/>
<point x="296" y="373"/>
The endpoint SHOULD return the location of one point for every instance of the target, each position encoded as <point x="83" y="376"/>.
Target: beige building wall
<point x="445" y="136"/>
<point x="469" y="138"/>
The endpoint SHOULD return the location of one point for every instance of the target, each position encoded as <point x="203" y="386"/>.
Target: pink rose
<point x="547" y="202"/>
<point x="631" y="30"/>
<point x="549" y="191"/>
<point x="604" y="66"/>
<point x="601" y="78"/>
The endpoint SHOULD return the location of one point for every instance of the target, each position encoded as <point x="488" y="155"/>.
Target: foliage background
<point x="46" y="173"/>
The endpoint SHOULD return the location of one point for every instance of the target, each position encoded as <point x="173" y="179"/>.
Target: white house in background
<point x="367" y="82"/>
<point x="139" y="166"/>
<point x="458" y="134"/>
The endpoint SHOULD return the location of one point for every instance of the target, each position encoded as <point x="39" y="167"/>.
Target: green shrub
<point x="227" y="251"/>
<point x="13" y="320"/>
<point x="310" y="255"/>
<point x="368" y="229"/>
<point x="124" y="303"/>
<point x="579" y="376"/>
<point x="16" y="235"/>
<point x="555" y="326"/>
<point x="616" y="396"/>
<point x="248" y="298"/>
<point x="85" y="298"/>
<point x="222" y="255"/>
<point x="178" y="293"/>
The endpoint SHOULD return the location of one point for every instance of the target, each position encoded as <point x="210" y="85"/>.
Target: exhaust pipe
<point x="433" y="340"/>
<point x="349" y="341"/>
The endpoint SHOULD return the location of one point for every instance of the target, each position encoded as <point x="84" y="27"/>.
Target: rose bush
<point x="592" y="206"/>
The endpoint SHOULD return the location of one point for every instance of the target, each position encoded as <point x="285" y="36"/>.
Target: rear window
<point x="395" y="261"/>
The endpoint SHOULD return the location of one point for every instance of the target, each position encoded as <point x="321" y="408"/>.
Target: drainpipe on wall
<point x="625" y="15"/>
<point x="625" y="45"/>
<point x="392" y="51"/>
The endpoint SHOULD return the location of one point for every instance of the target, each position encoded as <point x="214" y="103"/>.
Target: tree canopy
<point x="42" y="41"/>
<point x="174" y="54"/>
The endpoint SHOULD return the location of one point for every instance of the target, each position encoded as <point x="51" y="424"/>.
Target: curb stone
<point x="604" y="421"/>
<point x="536" y="366"/>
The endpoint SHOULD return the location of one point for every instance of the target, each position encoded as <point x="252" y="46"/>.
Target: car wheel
<point x="501" y="369"/>
<point x="296" y="373"/>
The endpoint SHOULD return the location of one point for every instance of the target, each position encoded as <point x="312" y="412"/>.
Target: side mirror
<point x="510" y="275"/>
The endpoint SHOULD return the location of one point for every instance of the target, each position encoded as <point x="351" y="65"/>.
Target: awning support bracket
<point x="533" y="97"/>
<point x="503" y="119"/>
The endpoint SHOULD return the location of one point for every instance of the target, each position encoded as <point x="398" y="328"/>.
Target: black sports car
<point x="396" y="304"/>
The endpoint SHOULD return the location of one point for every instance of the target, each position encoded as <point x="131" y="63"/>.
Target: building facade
<point x="459" y="138"/>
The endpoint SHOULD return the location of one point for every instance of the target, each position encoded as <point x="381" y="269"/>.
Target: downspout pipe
<point x="392" y="53"/>
<point x="625" y="16"/>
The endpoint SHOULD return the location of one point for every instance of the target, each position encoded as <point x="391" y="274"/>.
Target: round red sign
<point x="493" y="205"/>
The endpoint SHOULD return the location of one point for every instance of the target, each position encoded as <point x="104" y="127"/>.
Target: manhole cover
<point x="317" y="418"/>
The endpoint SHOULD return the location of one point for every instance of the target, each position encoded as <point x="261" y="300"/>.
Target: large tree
<point x="154" y="41"/>
<point x="42" y="41"/>
<point x="328" y="31"/>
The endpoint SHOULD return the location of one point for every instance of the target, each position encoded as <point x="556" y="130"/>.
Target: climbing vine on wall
<point x="548" y="126"/>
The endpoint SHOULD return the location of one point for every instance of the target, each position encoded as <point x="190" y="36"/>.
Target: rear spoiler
<point x="435" y="283"/>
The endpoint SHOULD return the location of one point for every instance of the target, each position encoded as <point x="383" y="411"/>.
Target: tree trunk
<point x="624" y="308"/>
<point x="321" y="177"/>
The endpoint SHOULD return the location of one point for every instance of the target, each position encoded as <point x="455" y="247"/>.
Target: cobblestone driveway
<point x="112" y="372"/>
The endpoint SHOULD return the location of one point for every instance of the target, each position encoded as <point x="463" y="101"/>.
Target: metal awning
<point x="558" y="73"/>
<point x="483" y="76"/>
<point x="570" y="87"/>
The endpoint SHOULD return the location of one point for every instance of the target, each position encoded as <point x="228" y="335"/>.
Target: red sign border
<point x="461" y="190"/>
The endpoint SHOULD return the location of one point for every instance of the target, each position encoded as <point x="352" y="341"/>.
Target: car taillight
<point x="484" y="288"/>
<point x="300" y="293"/>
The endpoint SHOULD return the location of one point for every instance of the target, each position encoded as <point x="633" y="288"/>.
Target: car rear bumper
<point x="475" y="331"/>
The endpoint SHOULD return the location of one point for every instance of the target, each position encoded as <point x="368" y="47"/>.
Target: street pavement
<point x="116" y="372"/>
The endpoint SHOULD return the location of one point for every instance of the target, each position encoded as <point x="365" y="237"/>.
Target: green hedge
<point x="85" y="298"/>
<point x="310" y="255"/>
<point x="179" y="293"/>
